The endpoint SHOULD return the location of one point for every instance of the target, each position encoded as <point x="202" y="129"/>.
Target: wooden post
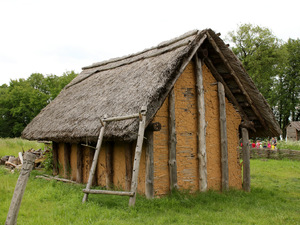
<point x="223" y="134"/>
<point x="67" y="164"/>
<point x="172" y="141"/>
<point x="91" y="159"/>
<point x="137" y="157"/>
<point x="128" y="164"/>
<point x="201" y="126"/>
<point x="55" y="158"/>
<point x="109" y="164"/>
<point x="20" y="188"/>
<point x="149" y="181"/>
<point x="94" y="164"/>
<point x="246" y="160"/>
<point x="79" y="174"/>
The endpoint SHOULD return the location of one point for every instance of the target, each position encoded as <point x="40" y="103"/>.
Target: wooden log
<point x="137" y="157"/>
<point x="172" y="142"/>
<point x="223" y="134"/>
<point x="67" y="157"/>
<point x="129" y="165"/>
<point x="118" y="118"/>
<point x="55" y="158"/>
<point x="95" y="159"/>
<point x="246" y="160"/>
<point x="56" y="178"/>
<point x="149" y="180"/>
<point x="201" y="140"/>
<point x="109" y="153"/>
<point x="79" y="173"/>
<point x="107" y="192"/>
<point x="20" y="189"/>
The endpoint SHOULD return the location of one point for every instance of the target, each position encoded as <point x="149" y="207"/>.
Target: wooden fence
<point x="273" y="154"/>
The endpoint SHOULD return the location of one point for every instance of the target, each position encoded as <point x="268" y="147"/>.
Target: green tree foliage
<point x="258" y="50"/>
<point x="22" y="100"/>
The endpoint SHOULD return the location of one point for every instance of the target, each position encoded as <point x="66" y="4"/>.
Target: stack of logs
<point x="13" y="162"/>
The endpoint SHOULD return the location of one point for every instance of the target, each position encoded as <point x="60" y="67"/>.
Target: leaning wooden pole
<point x="223" y="134"/>
<point x="172" y="141"/>
<point x="137" y="157"/>
<point x="94" y="164"/>
<point x="201" y="141"/>
<point x="20" y="189"/>
<point x="246" y="160"/>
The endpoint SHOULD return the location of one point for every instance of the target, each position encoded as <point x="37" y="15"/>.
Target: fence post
<point x="20" y="188"/>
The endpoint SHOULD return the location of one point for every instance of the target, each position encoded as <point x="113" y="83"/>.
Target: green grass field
<point x="274" y="199"/>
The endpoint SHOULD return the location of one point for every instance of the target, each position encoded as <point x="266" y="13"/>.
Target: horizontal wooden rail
<point x="121" y="118"/>
<point x="122" y="193"/>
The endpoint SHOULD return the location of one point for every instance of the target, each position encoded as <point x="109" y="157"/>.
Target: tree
<point x="258" y="50"/>
<point x="22" y="100"/>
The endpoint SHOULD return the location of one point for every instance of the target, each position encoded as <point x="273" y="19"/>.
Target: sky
<point x="53" y="37"/>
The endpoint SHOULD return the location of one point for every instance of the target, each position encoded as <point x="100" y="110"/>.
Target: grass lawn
<point x="274" y="199"/>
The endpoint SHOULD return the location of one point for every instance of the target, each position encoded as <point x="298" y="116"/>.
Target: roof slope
<point x="121" y="86"/>
<point x="295" y="124"/>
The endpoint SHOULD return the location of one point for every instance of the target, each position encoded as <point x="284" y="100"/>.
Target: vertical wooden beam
<point x="246" y="160"/>
<point x="223" y="134"/>
<point x="79" y="173"/>
<point x="67" y="163"/>
<point x="172" y="141"/>
<point x="55" y="158"/>
<point x="149" y="181"/>
<point x="137" y="156"/>
<point x="109" y="164"/>
<point x="201" y="126"/>
<point x="91" y="159"/>
<point x="128" y="164"/>
<point x="20" y="189"/>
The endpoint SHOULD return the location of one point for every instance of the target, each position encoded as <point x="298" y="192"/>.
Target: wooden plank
<point x="149" y="181"/>
<point x="201" y="140"/>
<point x="137" y="157"/>
<point x="119" y="118"/>
<point x="109" y="164"/>
<point x="128" y="164"/>
<point x="79" y="173"/>
<point x="20" y="188"/>
<point x="246" y="160"/>
<point x="67" y="162"/>
<point x="107" y="192"/>
<point x="94" y="164"/>
<point x="223" y="134"/>
<point x="55" y="158"/>
<point x="172" y="141"/>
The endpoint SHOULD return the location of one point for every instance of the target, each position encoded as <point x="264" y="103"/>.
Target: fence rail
<point x="256" y="153"/>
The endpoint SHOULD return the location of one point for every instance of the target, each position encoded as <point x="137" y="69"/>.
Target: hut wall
<point x="101" y="167"/>
<point x="73" y="162"/>
<point x="291" y="133"/>
<point x="61" y="159"/>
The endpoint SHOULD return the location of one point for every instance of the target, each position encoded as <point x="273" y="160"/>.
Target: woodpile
<point x="12" y="162"/>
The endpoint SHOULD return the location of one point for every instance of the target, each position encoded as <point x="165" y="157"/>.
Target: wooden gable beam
<point x="228" y="66"/>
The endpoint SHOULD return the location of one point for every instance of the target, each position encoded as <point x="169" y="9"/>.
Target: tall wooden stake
<point x="129" y="165"/>
<point x="172" y="141"/>
<point x="246" y="160"/>
<point x="67" y="156"/>
<point x="109" y="164"/>
<point x="79" y="174"/>
<point x="149" y="190"/>
<point x="137" y="157"/>
<point x="55" y="158"/>
<point x="94" y="164"/>
<point x="223" y="133"/>
<point x="201" y="126"/>
<point x="20" y="189"/>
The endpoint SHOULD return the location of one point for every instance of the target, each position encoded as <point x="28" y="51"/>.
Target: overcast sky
<point x="52" y="37"/>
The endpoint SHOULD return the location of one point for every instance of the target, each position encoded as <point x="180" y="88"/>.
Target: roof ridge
<point x="161" y="45"/>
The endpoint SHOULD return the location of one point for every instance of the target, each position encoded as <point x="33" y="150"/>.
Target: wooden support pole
<point x="118" y="118"/>
<point x="172" y="141"/>
<point x="223" y="134"/>
<point x="246" y="160"/>
<point x="149" y="181"/>
<point x="94" y="164"/>
<point x="20" y="189"/>
<point x="109" y="164"/>
<point x="67" y="156"/>
<point x="201" y="141"/>
<point x="137" y="157"/>
<point x="79" y="173"/>
<point x="55" y="158"/>
<point x="107" y="192"/>
<point x="129" y="165"/>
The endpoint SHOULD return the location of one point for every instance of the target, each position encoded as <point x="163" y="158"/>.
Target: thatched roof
<point x="121" y="86"/>
<point x="294" y="124"/>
